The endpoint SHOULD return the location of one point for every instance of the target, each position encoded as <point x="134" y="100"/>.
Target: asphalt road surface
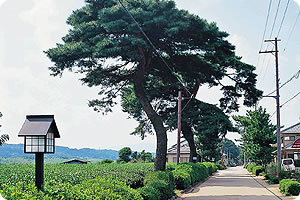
<point x="232" y="184"/>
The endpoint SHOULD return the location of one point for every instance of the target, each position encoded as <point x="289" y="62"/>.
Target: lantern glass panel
<point x="34" y="144"/>
<point x="35" y="140"/>
<point x="50" y="143"/>
<point x="35" y="149"/>
<point x="28" y="140"/>
<point x="41" y="148"/>
<point x="28" y="148"/>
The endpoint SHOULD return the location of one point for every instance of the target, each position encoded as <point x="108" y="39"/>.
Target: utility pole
<point x="179" y="127"/>
<point x="277" y="95"/>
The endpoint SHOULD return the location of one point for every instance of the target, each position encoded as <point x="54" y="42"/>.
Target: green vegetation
<point x="212" y="167"/>
<point x="257" y="134"/>
<point x="124" y="154"/>
<point x="221" y="167"/>
<point x="232" y="150"/>
<point x="100" y="181"/>
<point x="186" y="174"/>
<point x="102" y="30"/>
<point x="289" y="187"/>
<point x="256" y="170"/>
<point x="249" y="167"/>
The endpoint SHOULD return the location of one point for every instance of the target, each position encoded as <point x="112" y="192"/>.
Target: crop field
<point x="17" y="179"/>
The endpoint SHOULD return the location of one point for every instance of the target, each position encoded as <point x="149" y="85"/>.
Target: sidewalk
<point x="234" y="183"/>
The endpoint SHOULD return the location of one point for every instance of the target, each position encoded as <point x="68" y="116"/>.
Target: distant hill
<point x="17" y="150"/>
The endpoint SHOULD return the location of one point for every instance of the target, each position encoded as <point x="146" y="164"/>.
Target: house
<point x="290" y="142"/>
<point x="184" y="152"/>
<point x="76" y="161"/>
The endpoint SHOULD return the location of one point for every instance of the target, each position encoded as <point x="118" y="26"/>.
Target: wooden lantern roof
<point x="39" y="125"/>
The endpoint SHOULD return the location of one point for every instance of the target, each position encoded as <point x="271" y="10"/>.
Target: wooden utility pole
<point x="179" y="127"/>
<point x="275" y="53"/>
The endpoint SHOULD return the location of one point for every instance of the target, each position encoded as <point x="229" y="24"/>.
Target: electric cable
<point x="286" y="8"/>
<point x="292" y="30"/>
<point x="152" y="45"/>
<point x="290" y="99"/>
<point x="296" y="76"/>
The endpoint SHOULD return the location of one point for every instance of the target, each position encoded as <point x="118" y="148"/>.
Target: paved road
<point x="231" y="184"/>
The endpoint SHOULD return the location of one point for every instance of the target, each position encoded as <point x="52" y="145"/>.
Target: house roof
<point x="293" y="129"/>
<point x="184" y="147"/>
<point x="76" y="160"/>
<point x="35" y="125"/>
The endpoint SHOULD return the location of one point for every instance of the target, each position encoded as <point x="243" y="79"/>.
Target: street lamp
<point x="39" y="132"/>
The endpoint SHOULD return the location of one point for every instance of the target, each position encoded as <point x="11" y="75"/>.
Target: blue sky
<point x="30" y="27"/>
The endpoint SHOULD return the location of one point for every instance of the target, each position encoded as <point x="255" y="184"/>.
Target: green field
<point x="18" y="180"/>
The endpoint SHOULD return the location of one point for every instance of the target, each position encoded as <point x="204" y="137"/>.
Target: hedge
<point x="149" y="193"/>
<point x="289" y="187"/>
<point x="273" y="180"/>
<point x="107" y="188"/>
<point x="212" y="168"/>
<point x="221" y="167"/>
<point x="182" y="178"/>
<point x="257" y="169"/>
<point x="163" y="181"/>
<point x="250" y="167"/>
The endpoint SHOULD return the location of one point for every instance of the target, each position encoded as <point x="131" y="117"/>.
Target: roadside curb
<point x="192" y="187"/>
<point x="273" y="188"/>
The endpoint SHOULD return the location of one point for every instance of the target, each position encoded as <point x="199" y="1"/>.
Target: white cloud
<point x="297" y="1"/>
<point x="2" y="2"/>
<point x="41" y="16"/>
<point x="241" y="45"/>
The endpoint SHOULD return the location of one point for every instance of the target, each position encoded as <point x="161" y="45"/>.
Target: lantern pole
<point x="39" y="170"/>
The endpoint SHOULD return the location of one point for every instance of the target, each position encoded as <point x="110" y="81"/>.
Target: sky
<point x="30" y="27"/>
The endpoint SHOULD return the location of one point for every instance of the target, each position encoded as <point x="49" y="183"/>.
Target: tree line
<point x="146" y="60"/>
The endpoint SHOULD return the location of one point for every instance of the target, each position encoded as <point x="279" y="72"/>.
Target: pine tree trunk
<point x="157" y="122"/>
<point x="189" y="136"/>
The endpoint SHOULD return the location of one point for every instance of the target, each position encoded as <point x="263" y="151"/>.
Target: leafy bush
<point x="257" y="169"/>
<point x="149" y="193"/>
<point x="182" y="178"/>
<point x="289" y="187"/>
<point x="221" y="167"/>
<point x="107" y="188"/>
<point x="250" y="167"/>
<point x="267" y="176"/>
<point x="212" y="168"/>
<point x="273" y="180"/>
<point x="163" y="181"/>
<point x="19" y="179"/>
<point x="262" y="174"/>
<point x="203" y="171"/>
<point x="106" y="161"/>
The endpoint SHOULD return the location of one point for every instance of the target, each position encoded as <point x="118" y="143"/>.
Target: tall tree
<point x="106" y="45"/>
<point x="257" y="133"/>
<point x="124" y="154"/>
<point x="229" y="147"/>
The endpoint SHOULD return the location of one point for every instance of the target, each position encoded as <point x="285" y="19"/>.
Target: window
<point x="50" y="143"/>
<point x="288" y="162"/>
<point x="34" y="144"/>
<point x="289" y="138"/>
<point x="291" y="156"/>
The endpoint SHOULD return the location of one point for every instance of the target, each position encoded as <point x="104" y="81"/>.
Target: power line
<point x="262" y="41"/>
<point x="275" y="19"/>
<point x="286" y="8"/>
<point x="266" y="24"/>
<point x="290" y="99"/>
<point x="296" y="76"/>
<point x="156" y="50"/>
<point x="292" y="30"/>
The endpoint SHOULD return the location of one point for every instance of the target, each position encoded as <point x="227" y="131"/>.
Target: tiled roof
<point x="184" y="148"/>
<point x="293" y="129"/>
